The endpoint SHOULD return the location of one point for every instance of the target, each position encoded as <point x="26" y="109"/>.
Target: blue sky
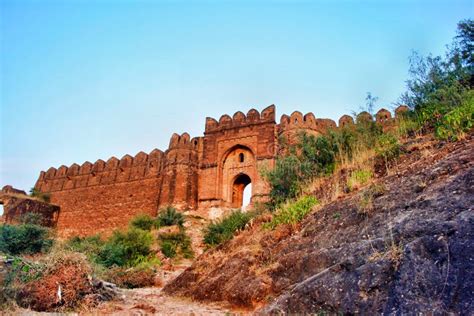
<point x="83" y="80"/>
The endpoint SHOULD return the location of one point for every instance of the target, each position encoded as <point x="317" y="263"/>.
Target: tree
<point x="465" y="39"/>
<point x="441" y="83"/>
<point x="465" y="47"/>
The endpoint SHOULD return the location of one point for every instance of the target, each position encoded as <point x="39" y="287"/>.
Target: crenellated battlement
<point x="128" y="168"/>
<point x="184" y="141"/>
<point x="144" y="165"/>
<point x="298" y="121"/>
<point x="197" y="173"/>
<point x="239" y="119"/>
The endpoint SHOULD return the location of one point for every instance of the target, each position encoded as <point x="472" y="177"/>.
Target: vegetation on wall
<point x="441" y="101"/>
<point x="45" y="197"/>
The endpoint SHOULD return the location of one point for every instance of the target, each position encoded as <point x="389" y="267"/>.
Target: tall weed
<point x="176" y="244"/>
<point x="224" y="229"/>
<point x="169" y="216"/>
<point x="142" y="221"/>
<point x="292" y="212"/>
<point x="358" y="178"/>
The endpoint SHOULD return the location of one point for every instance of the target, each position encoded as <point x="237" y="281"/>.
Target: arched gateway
<point x="238" y="188"/>
<point x="234" y="151"/>
<point x="239" y="167"/>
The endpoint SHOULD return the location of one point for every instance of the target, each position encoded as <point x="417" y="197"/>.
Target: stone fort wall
<point x="197" y="173"/>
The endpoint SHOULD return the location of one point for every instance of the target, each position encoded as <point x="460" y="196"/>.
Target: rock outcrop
<point x="411" y="253"/>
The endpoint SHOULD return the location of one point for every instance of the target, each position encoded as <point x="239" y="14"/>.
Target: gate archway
<point x="238" y="171"/>
<point x="238" y="188"/>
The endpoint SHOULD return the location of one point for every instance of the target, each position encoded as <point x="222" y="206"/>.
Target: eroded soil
<point x="411" y="249"/>
<point x="146" y="301"/>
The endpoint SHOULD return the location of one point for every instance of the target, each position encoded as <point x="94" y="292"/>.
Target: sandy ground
<point x="148" y="301"/>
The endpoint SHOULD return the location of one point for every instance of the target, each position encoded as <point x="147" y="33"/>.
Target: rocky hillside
<point x="402" y="244"/>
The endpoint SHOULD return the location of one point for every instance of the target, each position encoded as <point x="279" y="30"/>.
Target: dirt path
<point x="147" y="301"/>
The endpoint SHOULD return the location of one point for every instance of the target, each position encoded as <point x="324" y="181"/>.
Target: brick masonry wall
<point x="195" y="173"/>
<point x="101" y="209"/>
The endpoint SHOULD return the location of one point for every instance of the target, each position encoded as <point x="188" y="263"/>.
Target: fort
<point x="201" y="174"/>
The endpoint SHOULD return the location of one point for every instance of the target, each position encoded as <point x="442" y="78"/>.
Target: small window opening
<point x="241" y="157"/>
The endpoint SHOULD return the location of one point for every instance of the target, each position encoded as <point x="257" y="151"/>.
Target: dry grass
<point x="362" y="158"/>
<point x="394" y="253"/>
<point x="132" y="277"/>
<point x="63" y="284"/>
<point x="23" y="196"/>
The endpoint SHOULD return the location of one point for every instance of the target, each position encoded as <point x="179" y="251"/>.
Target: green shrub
<point x="169" y="217"/>
<point x="19" y="273"/>
<point x="351" y="141"/>
<point x="91" y="246"/>
<point x="24" y="239"/>
<point x="317" y="155"/>
<point x="168" y="249"/>
<point x="129" y="248"/>
<point x="343" y="140"/>
<point x="285" y="179"/>
<point x="125" y="248"/>
<point x="310" y="157"/>
<point x="293" y="212"/>
<point x="387" y="147"/>
<point x="174" y="244"/>
<point x="457" y="121"/>
<point x="142" y="221"/>
<point x="224" y="229"/>
<point x="366" y="135"/>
